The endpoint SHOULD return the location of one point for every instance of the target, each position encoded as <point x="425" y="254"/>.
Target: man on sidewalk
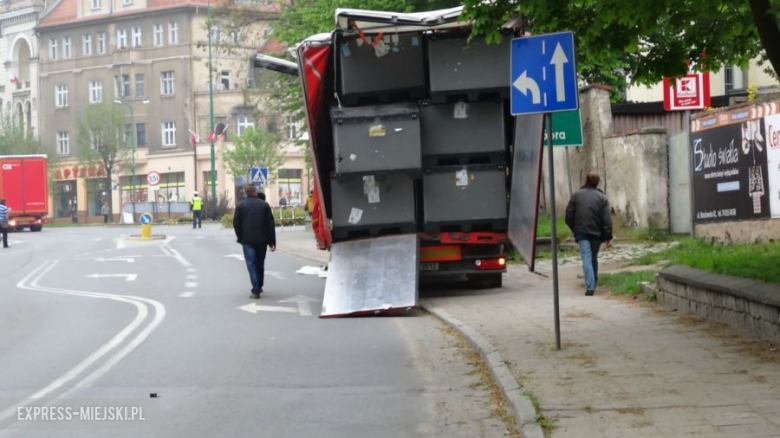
<point x="255" y="230"/>
<point x="589" y="218"/>
<point x="4" y="222"/>
<point x="196" y="205"/>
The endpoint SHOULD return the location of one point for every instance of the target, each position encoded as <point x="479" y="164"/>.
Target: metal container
<point x="455" y="66"/>
<point x="380" y="138"/>
<point x="465" y="195"/>
<point x="462" y="128"/>
<point x="373" y="202"/>
<point x="392" y="65"/>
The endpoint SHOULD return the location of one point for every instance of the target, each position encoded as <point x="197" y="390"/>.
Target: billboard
<point x="735" y="165"/>
<point x="688" y="92"/>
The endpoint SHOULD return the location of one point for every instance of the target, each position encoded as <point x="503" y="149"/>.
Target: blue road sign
<point x="258" y="175"/>
<point x="146" y="219"/>
<point x="544" y="77"/>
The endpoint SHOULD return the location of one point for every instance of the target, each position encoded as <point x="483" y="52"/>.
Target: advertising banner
<point x="731" y="165"/>
<point x="772" y="136"/>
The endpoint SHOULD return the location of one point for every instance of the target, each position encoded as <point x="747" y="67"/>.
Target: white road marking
<point x="127" y="277"/>
<point x="191" y="284"/>
<point x="97" y="240"/>
<point x="192" y="270"/>
<point x="236" y="256"/>
<point x="127" y="259"/>
<point x="176" y="254"/>
<point x="274" y="274"/>
<point x="254" y="308"/>
<point x="30" y="282"/>
<point x="187" y="294"/>
<point x="192" y="277"/>
<point x="309" y="270"/>
<point x="304" y="304"/>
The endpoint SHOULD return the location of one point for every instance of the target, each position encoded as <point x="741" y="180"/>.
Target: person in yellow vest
<point x="196" y="205"/>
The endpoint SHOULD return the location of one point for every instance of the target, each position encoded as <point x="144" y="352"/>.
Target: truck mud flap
<point x="372" y="276"/>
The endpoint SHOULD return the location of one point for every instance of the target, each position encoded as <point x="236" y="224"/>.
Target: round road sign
<point x="146" y="218"/>
<point x="152" y="178"/>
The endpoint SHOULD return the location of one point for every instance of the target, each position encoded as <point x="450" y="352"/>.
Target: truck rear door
<point x="12" y="183"/>
<point x="35" y="195"/>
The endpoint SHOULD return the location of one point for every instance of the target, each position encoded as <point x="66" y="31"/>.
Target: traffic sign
<point x="146" y="219"/>
<point x="567" y="129"/>
<point x="258" y="175"/>
<point x="152" y="178"/>
<point x="544" y="75"/>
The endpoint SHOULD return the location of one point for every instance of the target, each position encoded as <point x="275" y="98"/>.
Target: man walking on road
<point x="196" y="205"/>
<point x="4" y="222"/>
<point x="589" y="218"/>
<point x="255" y="230"/>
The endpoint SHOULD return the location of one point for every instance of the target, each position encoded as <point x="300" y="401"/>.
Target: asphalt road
<point x="166" y="330"/>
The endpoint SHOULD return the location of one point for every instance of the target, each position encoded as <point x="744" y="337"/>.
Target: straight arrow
<point x="128" y="259"/>
<point x="558" y="59"/>
<point x="524" y="84"/>
<point x="127" y="277"/>
<point x="254" y="308"/>
<point x="304" y="304"/>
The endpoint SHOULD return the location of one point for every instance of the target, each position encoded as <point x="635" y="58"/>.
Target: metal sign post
<point x="554" y="235"/>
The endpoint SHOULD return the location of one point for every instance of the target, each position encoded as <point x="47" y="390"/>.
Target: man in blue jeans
<point x="588" y="216"/>
<point x="255" y="230"/>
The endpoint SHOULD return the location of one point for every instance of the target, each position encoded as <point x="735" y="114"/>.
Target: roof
<point x="377" y="21"/>
<point x="272" y="47"/>
<point x="64" y="11"/>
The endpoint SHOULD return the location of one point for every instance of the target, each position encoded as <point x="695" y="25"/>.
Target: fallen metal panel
<point x="372" y="276"/>
<point x="526" y="178"/>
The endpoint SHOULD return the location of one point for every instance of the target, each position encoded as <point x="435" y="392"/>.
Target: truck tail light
<point x="490" y="264"/>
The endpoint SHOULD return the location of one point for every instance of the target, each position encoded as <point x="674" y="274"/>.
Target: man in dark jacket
<point x="589" y="218"/>
<point x="256" y="232"/>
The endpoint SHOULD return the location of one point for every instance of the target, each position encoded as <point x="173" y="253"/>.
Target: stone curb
<point x="521" y="407"/>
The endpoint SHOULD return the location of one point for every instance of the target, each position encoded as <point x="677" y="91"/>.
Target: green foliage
<point x="255" y="148"/>
<point x="643" y="40"/>
<point x="215" y="208"/>
<point x="626" y="283"/>
<point x="101" y="136"/>
<point x="752" y="92"/>
<point x="544" y="227"/>
<point x="757" y="261"/>
<point x="227" y="221"/>
<point x="14" y="139"/>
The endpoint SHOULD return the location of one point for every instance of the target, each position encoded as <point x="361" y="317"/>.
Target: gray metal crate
<point x="462" y="128"/>
<point x="380" y="138"/>
<point x="465" y="198"/>
<point x="366" y="70"/>
<point x="372" y="203"/>
<point x="455" y="66"/>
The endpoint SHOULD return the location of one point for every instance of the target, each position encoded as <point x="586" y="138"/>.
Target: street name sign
<point x="543" y="74"/>
<point x="567" y="129"/>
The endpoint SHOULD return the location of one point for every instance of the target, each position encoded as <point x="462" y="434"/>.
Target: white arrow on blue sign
<point x="544" y="76"/>
<point x="258" y="175"/>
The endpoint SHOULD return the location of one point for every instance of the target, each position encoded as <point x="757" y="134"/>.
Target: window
<point x="127" y="2"/>
<point x="173" y="32"/>
<point x="271" y="125"/>
<point x="225" y="80"/>
<point x="121" y="38"/>
<point x="61" y="95"/>
<point x="158" y="34"/>
<point x="136" y="37"/>
<point x="63" y="143"/>
<point x="66" y="47"/>
<point x="167" y="86"/>
<point x="216" y="33"/>
<point x="101" y="43"/>
<point x="235" y="37"/>
<point x="52" y="49"/>
<point x="140" y="134"/>
<point x="124" y="86"/>
<point x="244" y="122"/>
<point x="95" y="4"/>
<point x="95" y="91"/>
<point x="139" y="85"/>
<point x="95" y="141"/>
<point x="169" y="134"/>
<point x="289" y="182"/>
<point x="292" y="128"/>
<point x="86" y="45"/>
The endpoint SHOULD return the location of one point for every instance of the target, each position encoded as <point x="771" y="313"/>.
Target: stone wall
<point x="747" y="305"/>
<point x="633" y="166"/>
<point x="765" y="230"/>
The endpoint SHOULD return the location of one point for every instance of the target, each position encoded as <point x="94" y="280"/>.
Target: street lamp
<point x="133" y="145"/>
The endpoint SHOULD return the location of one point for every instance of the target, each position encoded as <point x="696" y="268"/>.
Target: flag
<point x="13" y="79"/>
<point x="219" y="131"/>
<point x="194" y="138"/>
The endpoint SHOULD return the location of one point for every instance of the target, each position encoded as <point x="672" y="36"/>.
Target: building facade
<point x="150" y="58"/>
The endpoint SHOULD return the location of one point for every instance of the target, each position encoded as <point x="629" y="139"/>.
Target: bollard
<point x="146" y="226"/>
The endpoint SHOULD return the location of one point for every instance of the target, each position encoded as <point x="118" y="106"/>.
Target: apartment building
<point x="150" y="57"/>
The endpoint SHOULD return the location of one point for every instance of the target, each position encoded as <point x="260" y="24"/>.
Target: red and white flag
<point x="219" y="131"/>
<point x="12" y="78"/>
<point x="194" y="138"/>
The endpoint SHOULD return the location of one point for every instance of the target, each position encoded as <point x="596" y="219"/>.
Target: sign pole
<point x="554" y="236"/>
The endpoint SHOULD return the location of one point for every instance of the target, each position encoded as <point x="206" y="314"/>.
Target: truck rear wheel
<point x="485" y="281"/>
<point x="36" y="228"/>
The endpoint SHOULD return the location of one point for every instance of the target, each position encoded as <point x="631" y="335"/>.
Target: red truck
<point x="24" y="184"/>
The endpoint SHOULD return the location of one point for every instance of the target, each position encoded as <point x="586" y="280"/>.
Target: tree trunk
<point x="110" y="195"/>
<point x="768" y="31"/>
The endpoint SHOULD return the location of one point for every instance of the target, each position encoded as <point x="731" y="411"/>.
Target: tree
<point x="102" y="141"/>
<point x="15" y="139"/>
<point x="255" y="148"/>
<point x="643" y="39"/>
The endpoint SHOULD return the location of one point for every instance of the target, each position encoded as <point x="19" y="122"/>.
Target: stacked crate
<point x="404" y="140"/>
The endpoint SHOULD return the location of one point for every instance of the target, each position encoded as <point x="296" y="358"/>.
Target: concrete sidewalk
<point x="627" y="368"/>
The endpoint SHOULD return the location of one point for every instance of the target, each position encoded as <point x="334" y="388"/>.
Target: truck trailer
<point x="24" y="184"/>
<point x="419" y="168"/>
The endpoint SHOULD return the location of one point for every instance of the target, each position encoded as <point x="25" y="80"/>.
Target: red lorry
<point x="24" y="184"/>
